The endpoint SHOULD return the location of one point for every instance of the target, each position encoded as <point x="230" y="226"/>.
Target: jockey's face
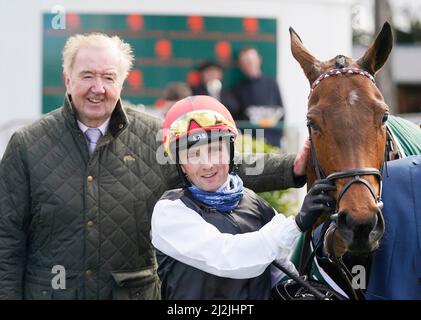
<point x="207" y="165"/>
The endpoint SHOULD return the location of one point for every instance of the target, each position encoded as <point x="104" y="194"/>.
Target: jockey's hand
<point x="315" y="203"/>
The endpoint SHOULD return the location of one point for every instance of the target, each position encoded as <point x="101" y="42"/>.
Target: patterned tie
<point x="93" y="135"/>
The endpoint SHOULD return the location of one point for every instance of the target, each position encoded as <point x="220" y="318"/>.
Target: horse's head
<point x="346" y="120"/>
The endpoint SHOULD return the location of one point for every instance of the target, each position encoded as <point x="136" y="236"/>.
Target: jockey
<point x="216" y="239"/>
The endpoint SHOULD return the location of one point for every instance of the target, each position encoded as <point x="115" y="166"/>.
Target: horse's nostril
<point x="342" y="220"/>
<point x="345" y="226"/>
<point x="378" y="230"/>
<point x="370" y="224"/>
<point x="345" y="220"/>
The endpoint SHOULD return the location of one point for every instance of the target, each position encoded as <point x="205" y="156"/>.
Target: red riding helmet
<point x="194" y="120"/>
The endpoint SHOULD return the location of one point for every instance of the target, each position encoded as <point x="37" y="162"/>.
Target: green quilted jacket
<point x="90" y="216"/>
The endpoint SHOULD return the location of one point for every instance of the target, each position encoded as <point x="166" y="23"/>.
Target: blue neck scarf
<point x="224" y="200"/>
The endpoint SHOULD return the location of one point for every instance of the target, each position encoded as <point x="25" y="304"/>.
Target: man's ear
<point x="66" y="80"/>
<point x="260" y="58"/>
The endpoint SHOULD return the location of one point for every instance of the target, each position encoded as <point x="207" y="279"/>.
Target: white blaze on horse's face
<point x="349" y="137"/>
<point x="352" y="97"/>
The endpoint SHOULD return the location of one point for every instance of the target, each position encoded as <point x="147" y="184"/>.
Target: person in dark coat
<point x="395" y="271"/>
<point x="211" y="75"/>
<point x="258" y="96"/>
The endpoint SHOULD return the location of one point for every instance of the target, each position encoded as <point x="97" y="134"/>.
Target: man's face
<point x="207" y="165"/>
<point x="211" y="73"/>
<point x="94" y="84"/>
<point x="250" y="62"/>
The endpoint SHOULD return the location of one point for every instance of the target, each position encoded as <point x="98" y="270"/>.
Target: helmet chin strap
<point x="186" y="182"/>
<point x="233" y="169"/>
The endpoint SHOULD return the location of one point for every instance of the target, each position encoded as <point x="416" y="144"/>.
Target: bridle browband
<point x="342" y="71"/>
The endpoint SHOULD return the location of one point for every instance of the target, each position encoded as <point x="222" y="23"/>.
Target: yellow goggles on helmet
<point x="204" y="118"/>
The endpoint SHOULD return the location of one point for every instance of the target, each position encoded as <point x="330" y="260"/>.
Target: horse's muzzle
<point x="361" y="237"/>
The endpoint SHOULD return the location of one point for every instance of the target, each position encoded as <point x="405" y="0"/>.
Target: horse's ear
<point x="308" y="62"/>
<point x="378" y="52"/>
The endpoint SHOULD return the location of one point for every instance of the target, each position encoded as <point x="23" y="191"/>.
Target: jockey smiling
<point x="216" y="239"/>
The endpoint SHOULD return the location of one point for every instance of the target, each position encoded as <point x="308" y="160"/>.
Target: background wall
<point x="324" y="26"/>
<point x="167" y="48"/>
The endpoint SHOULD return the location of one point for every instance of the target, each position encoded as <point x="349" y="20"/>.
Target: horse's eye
<point x="385" y="117"/>
<point x="312" y="125"/>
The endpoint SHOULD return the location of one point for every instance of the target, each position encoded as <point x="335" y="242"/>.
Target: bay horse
<point x="346" y="120"/>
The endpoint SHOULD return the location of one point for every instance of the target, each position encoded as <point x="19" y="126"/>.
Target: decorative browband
<point x="342" y="71"/>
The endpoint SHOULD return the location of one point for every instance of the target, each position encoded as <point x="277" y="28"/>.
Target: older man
<point x="78" y="187"/>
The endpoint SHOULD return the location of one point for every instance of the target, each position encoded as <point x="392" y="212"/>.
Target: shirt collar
<point x="103" y="127"/>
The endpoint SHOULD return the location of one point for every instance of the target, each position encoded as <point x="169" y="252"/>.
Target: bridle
<point x="356" y="175"/>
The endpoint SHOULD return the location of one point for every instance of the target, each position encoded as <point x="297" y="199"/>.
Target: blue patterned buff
<point x="223" y="200"/>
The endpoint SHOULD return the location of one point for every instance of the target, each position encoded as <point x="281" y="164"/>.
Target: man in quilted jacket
<point x="78" y="187"/>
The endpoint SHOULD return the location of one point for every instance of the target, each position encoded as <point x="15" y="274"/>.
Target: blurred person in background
<point x="211" y="75"/>
<point x="259" y="98"/>
<point x="173" y="92"/>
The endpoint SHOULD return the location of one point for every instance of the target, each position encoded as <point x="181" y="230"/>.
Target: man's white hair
<point x="98" y="40"/>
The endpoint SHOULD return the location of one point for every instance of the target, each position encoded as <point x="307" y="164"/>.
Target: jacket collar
<point x="118" y="122"/>
<point x="416" y="160"/>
